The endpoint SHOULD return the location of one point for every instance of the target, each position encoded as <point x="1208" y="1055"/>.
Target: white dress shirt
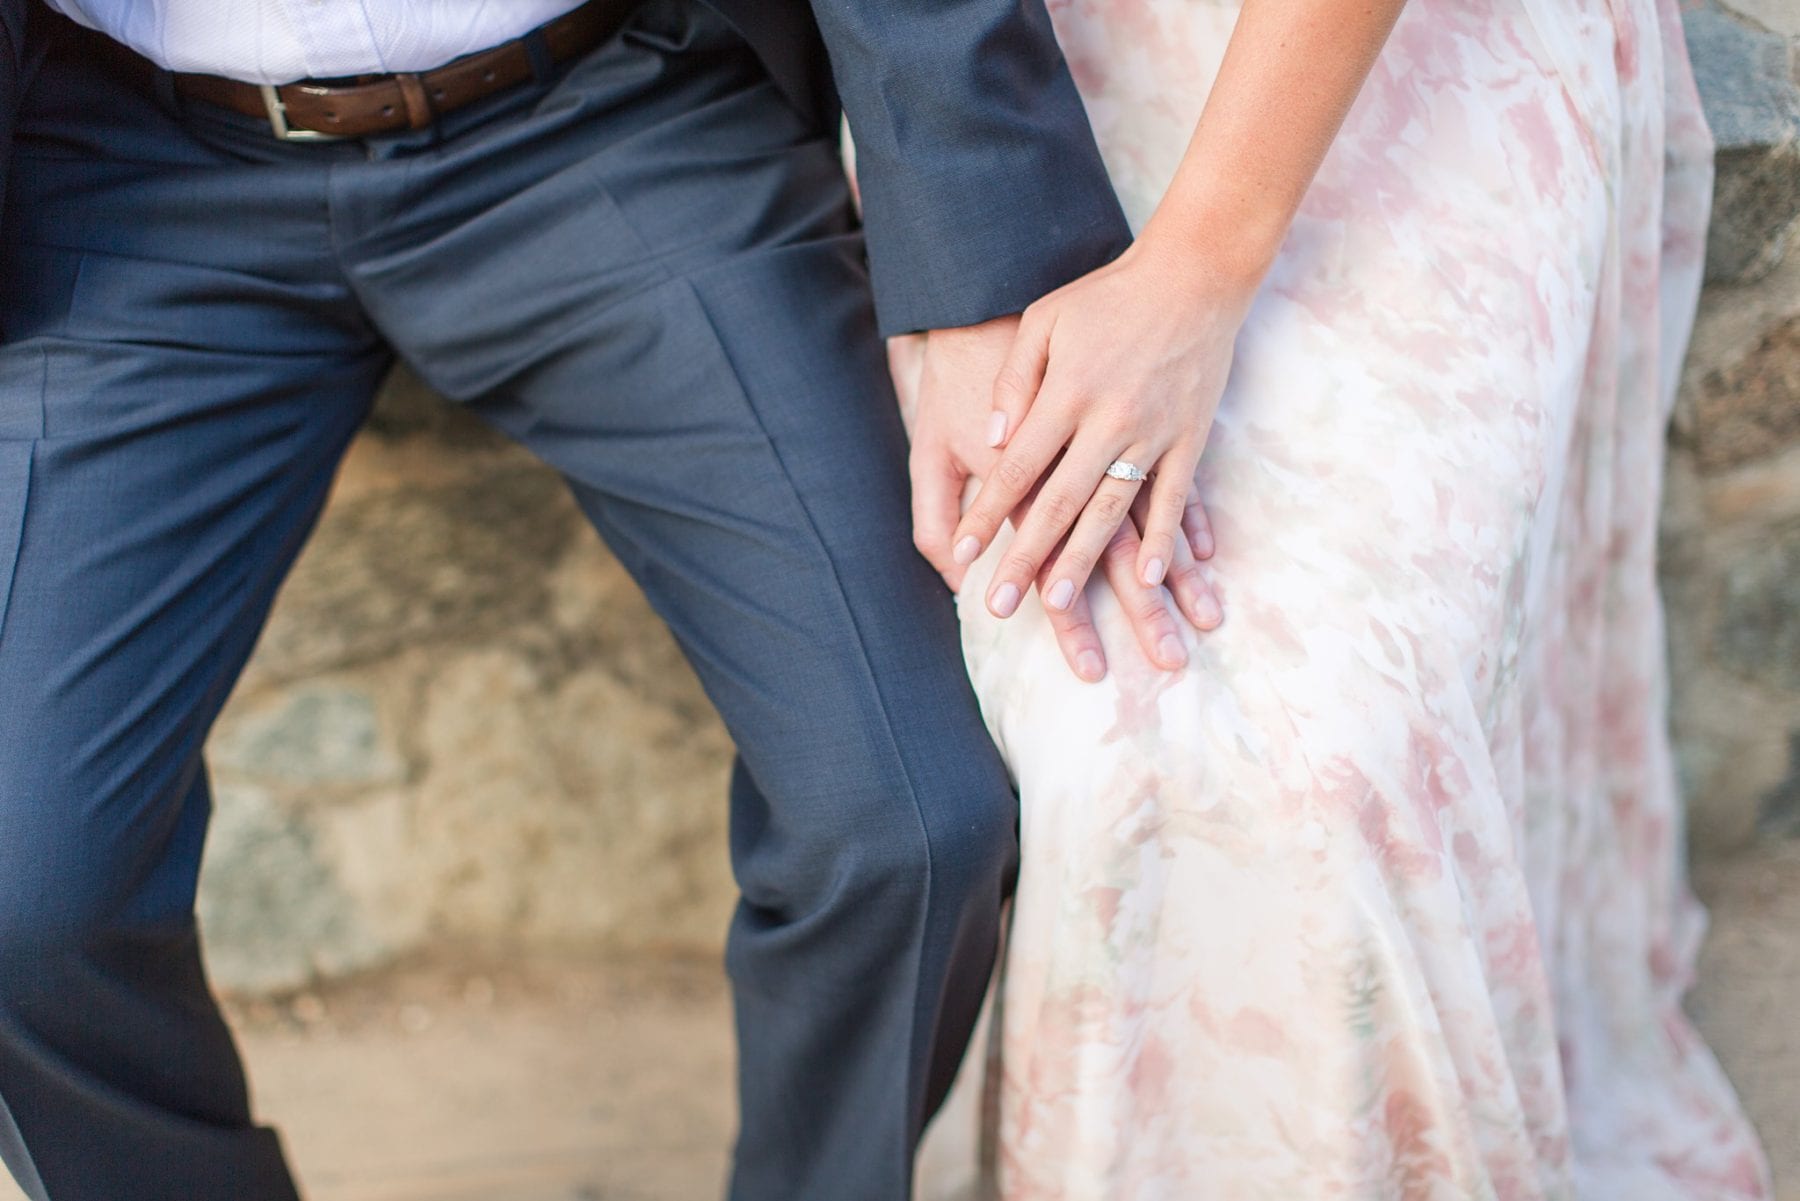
<point x="279" y="41"/>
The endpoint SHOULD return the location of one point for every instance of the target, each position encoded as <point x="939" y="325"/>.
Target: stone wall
<point x="1731" y="548"/>
<point x="464" y="724"/>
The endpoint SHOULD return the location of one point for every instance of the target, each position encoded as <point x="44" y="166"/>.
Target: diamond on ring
<point x="1121" y="470"/>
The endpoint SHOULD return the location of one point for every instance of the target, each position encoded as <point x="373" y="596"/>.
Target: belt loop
<point x="537" y="48"/>
<point x="162" y="82"/>
<point x="418" y="104"/>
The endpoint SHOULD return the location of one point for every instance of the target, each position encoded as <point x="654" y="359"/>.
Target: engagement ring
<point x="1121" y="470"/>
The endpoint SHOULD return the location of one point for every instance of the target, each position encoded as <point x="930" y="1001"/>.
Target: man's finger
<point x="937" y="486"/>
<point x="1162" y="513"/>
<point x="1145" y="608"/>
<point x="1197" y="526"/>
<point x="1079" y="640"/>
<point x="1020" y="376"/>
<point x="1194" y="594"/>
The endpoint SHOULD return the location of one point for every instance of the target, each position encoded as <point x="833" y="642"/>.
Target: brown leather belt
<point x="313" y="110"/>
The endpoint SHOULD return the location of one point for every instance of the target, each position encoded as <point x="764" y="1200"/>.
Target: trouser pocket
<point x="15" y="485"/>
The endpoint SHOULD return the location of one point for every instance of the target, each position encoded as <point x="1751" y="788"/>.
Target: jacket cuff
<point x="945" y="253"/>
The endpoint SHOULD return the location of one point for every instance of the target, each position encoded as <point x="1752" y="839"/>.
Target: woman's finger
<point x="1162" y="514"/>
<point x="1195" y="597"/>
<point x="1020" y="377"/>
<point x="1062" y="502"/>
<point x="1010" y="480"/>
<point x="1070" y="566"/>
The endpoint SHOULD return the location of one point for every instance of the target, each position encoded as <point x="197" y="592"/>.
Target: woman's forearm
<point x="1290" y="74"/>
<point x="1126" y="366"/>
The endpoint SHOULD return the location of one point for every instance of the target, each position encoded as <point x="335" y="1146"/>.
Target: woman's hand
<point x="1126" y="364"/>
<point x="953" y="436"/>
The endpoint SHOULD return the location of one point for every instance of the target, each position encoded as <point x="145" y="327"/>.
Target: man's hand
<point x="951" y="438"/>
<point x="955" y="434"/>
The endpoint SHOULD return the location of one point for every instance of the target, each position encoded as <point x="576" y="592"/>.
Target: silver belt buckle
<point x="278" y="120"/>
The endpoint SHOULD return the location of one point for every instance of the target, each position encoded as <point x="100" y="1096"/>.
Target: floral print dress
<point x="1382" y="896"/>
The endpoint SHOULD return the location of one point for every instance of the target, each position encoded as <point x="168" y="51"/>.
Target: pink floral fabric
<point x="1382" y="897"/>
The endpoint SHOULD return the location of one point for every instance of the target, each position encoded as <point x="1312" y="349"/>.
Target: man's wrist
<point x="993" y="326"/>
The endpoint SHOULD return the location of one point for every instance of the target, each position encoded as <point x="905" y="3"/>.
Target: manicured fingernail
<point x="1207" y="611"/>
<point x="1171" y="651"/>
<point x="1203" y="544"/>
<point x="1062" y="595"/>
<point x="996" y="428"/>
<point x="967" y="551"/>
<point x="1006" y="599"/>
<point x="1090" y="666"/>
<point x="1153" y="573"/>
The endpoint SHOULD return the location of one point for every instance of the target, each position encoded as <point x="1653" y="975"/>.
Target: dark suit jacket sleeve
<point x="12" y="70"/>
<point x="982" y="188"/>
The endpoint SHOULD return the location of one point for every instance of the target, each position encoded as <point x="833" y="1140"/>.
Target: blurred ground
<point x="549" y="1080"/>
<point x="564" y="1079"/>
<point x="1748" y="997"/>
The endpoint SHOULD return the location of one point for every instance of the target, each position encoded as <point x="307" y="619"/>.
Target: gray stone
<point x="1757" y="635"/>
<point x="271" y="910"/>
<point x="1751" y="409"/>
<point x="1781" y="807"/>
<point x="1753" y="106"/>
<point x="1776" y="16"/>
<point x="315" y="734"/>
<point x="371" y="845"/>
<point x="407" y="568"/>
<point x="1731" y="732"/>
<point x="584" y="814"/>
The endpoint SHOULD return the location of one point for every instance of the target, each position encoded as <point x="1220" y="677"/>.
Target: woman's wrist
<point x="1223" y="276"/>
<point x="1228" y="256"/>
